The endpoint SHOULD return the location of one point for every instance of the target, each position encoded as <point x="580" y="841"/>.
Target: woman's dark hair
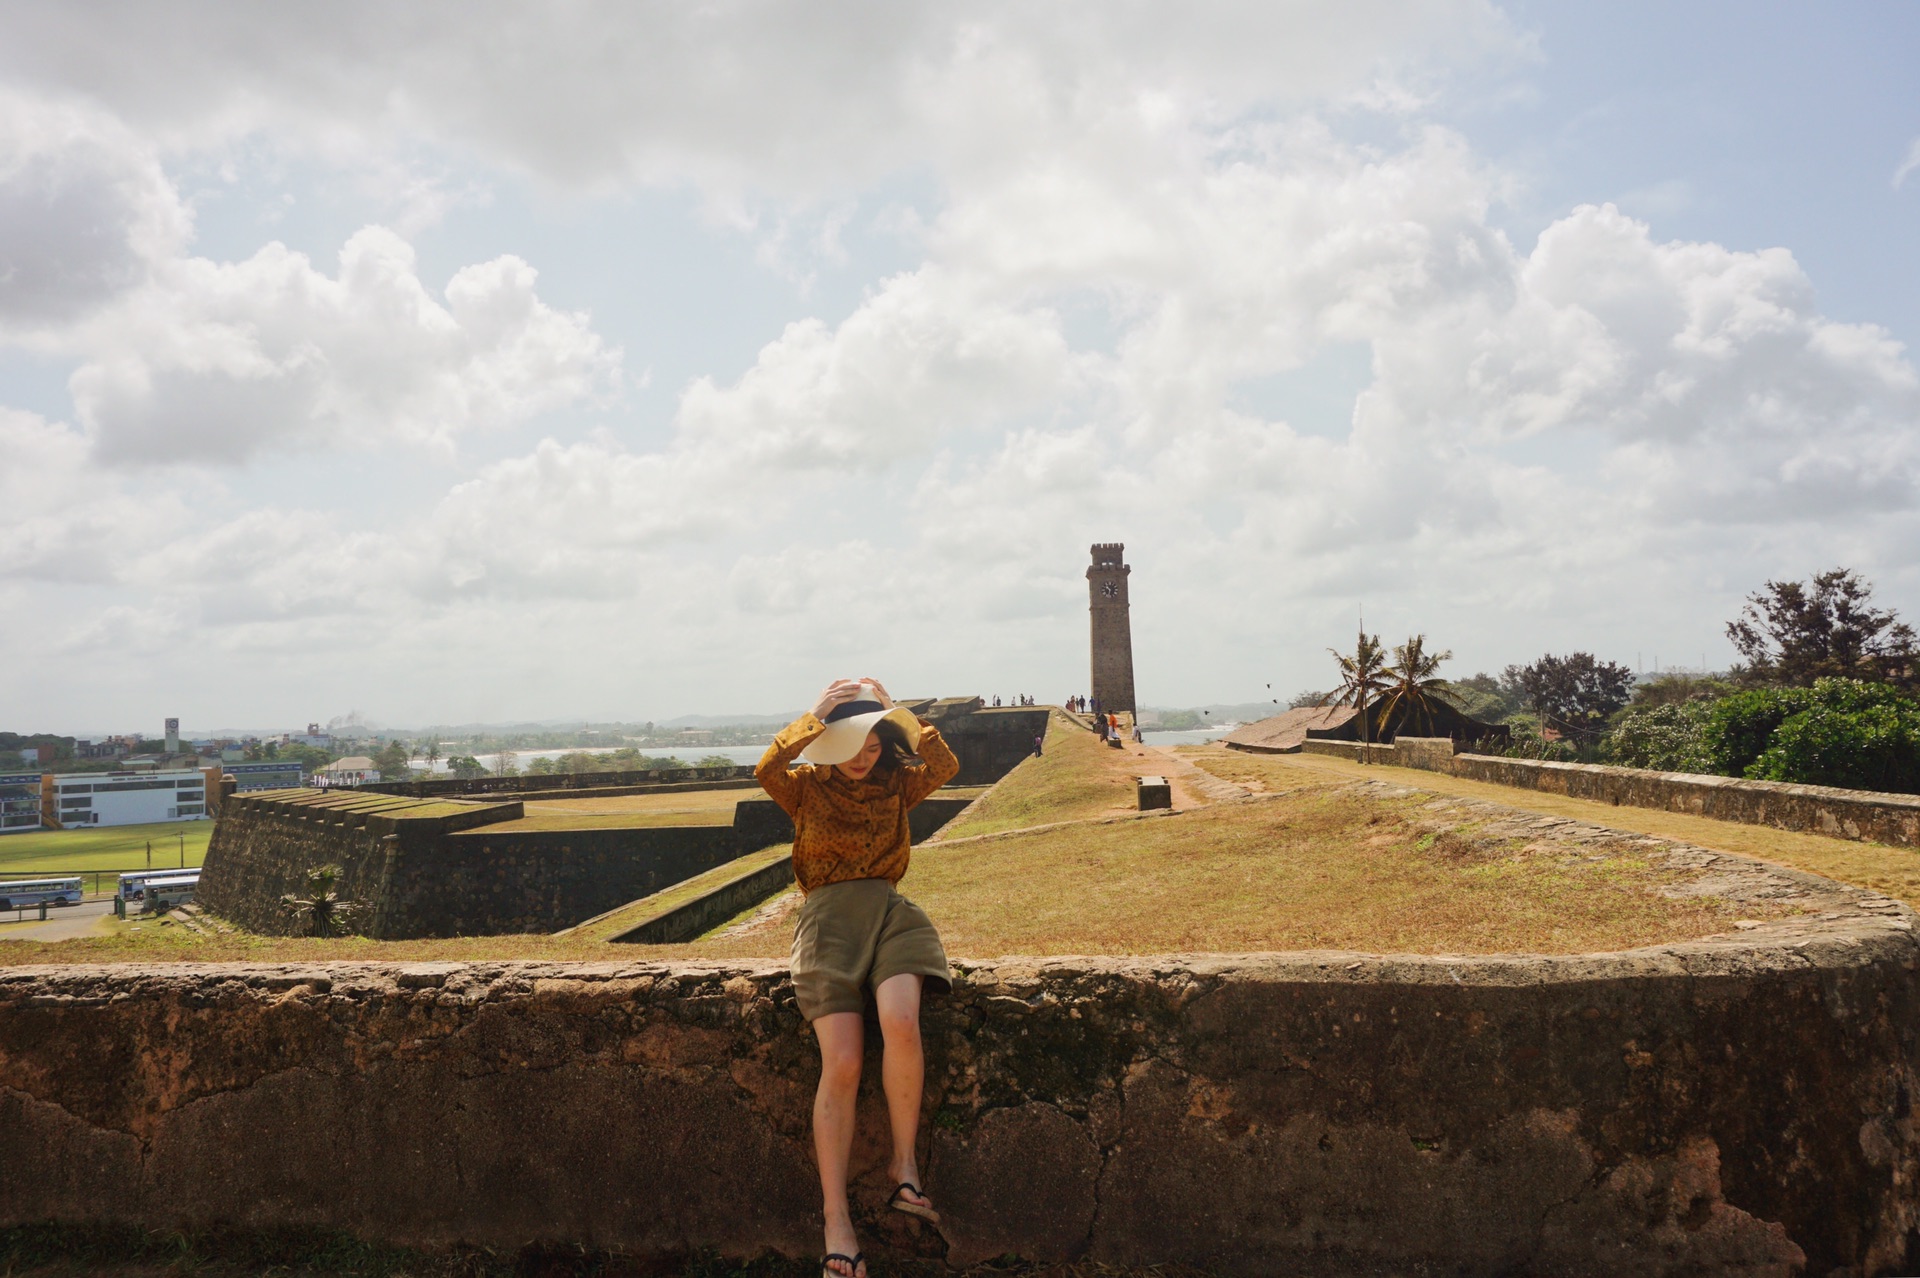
<point x="894" y="750"/>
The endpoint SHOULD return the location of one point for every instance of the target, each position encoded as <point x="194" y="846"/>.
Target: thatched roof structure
<point x="1285" y="733"/>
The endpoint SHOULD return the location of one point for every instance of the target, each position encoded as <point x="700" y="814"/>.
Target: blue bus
<point x="24" y="892"/>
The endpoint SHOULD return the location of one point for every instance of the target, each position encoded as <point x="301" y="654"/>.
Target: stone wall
<point x="1339" y="749"/>
<point x="660" y="780"/>
<point x="692" y="919"/>
<point x="1730" y="1106"/>
<point x="990" y="743"/>
<point x="489" y="881"/>
<point x="423" y="870"/>
<point x="1814" y="809"/>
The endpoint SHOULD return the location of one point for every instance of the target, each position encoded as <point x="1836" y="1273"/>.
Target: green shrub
<point x="1665" y="738"/>
<point x="1862" y="736"/>
<point x="1526" y="743"/>
<point x="1740" y="728"/>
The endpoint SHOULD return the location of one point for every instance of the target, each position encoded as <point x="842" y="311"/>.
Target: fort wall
<point x="434" y="869"/>
<point x="1732" y="1105"/>
<point x="423" y="868"/>
<point x="655" y="781"/>
<point x="990" y="743"/>
<point x="1864" y="815"/>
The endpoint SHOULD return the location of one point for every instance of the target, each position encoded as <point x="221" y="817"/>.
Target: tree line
<point x="1824" y="693"/>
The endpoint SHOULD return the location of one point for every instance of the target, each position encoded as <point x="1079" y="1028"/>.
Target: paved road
<point x="62" y="923"/>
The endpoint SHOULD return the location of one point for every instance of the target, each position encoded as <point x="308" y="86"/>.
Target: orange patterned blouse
<point x="845" y="829"/>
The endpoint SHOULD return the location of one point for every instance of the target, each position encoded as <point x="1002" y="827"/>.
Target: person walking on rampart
<point x="847" y="773"/>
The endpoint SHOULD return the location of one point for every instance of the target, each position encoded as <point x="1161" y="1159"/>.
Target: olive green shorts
<point x="856" y="934"/>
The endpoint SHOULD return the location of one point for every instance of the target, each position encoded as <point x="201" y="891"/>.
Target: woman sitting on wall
<point x="847" y="773"/>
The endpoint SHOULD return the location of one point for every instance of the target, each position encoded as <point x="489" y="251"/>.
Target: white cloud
<point x="946" y="441"/>
<point x="738" y="95"/>
<point x="1129" y="220"/>
<point x="214" y="362"/>
<point x="924" y="359"/>
<point x="86" y="214"/>
<point x="58" y="522"/>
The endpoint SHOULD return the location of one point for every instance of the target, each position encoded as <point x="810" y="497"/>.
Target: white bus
<point x="25" y="892"/>
<point x="164" y="891"/>
<point x="133" y="883"/>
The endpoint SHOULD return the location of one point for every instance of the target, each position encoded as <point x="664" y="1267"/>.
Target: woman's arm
<point x="940" y="765"/>
<point x="782" y="786"/>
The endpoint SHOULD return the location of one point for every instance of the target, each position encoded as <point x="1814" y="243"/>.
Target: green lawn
<point x="111" y="847"/>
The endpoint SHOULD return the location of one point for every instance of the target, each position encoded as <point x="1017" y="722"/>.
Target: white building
<point x="122" y="798"/>
<point x="355" y="769"/>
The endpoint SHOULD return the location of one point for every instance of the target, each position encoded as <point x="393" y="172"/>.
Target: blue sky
<point x="493" y="362"/>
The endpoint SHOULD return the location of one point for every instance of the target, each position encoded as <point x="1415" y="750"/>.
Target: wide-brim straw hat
<point x="848" y="725"/>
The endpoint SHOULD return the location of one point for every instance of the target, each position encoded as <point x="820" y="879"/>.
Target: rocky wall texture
<point x="1736" y="1105"/>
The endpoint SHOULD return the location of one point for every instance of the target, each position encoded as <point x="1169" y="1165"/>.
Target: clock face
<point x="1110" y="590"/>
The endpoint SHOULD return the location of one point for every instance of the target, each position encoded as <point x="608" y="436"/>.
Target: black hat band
<point x="848" y="709"/>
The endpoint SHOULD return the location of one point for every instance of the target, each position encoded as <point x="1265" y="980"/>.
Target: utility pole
<point x="149" y="854"/>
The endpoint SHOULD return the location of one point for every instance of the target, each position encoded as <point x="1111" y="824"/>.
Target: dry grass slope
<point x="1077" y="777"/>
<point x="1330" y="867"/>
<point x="1894" y="871"/>
<point x="1321" y="861"/>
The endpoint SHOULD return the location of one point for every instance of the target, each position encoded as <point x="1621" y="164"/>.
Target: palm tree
<point x="1361" y="680"/>
<point x="432" y="752"/>
<point x="321" y="907"/>
<point x="1412" y="683"/>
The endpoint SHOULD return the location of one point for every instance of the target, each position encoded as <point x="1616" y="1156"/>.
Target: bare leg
<point x="903" y="1073"/>
<point x="842" y="1037"/>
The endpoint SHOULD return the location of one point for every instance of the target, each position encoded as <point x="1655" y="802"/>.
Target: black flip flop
<point x="898" y="1203"/>
<point x="854" y="1262"/>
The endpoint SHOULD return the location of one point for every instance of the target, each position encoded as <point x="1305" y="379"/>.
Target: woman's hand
<point x="839" y="692"/>
<point x="879" y="692"/>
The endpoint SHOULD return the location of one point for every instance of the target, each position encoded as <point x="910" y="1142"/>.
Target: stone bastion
<point x="1738" y="1104"/>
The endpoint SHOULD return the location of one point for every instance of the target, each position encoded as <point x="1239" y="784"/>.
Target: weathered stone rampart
<point x="655" y="781"/>
<point x="1815" y="809"/>
<point x="436" y="869"/>
<point x="990" y="743"/>
<point x="1738" y="1105"/>
<point x="419" y="868"/>
<point x="692" y="919"/>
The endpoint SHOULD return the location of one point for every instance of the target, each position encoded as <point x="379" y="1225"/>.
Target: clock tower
<point x="1112" y="633"/>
